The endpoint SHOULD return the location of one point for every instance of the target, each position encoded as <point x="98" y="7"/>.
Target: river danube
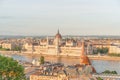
<point x="99" y="65"/>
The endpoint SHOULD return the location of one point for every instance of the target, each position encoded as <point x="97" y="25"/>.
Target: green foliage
<point x="42" y="60"/>
<point x="114" y="54"/>
<point x="17" y="48"/>
<point x="4" y="49"/>
<point x="109" y="72"/>
<point x="101" y="50"/>
<point x="10" y="69"/>
<point x="114" y="72"/>
<point x="99" y="78"/>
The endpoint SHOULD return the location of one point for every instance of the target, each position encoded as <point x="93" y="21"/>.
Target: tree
<point x="17" y="48"/>
<point x="99" y="78"/>
<point x="113" y="72"/>
<point x="109" y="72"/>
<point x="10" y="69"/>
<point x="42" y="60"/>
<point x="103" y="50"/>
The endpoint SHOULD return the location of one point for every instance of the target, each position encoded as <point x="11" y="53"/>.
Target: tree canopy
<point x="42" y="60"/>
<point x="109" y="72"/>
<point x="99" y="78"/>
<point x="103" y="50"/>
<point x="10" y="69"/>
<point x="17" y="48"/>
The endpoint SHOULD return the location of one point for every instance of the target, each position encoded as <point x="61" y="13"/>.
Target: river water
<point x="99" y="65"/>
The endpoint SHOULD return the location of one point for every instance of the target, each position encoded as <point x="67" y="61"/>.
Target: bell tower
<point x="84" y="60"/>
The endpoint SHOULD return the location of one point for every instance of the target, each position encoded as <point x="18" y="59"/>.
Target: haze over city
<point x="72" y="17"/>
<point x="59" y="40"/>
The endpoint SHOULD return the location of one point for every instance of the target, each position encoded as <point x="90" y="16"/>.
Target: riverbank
<point x="33" y="55"/>
<point x="112" y="58"/>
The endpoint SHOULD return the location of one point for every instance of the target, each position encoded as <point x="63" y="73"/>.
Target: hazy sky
<point x="72" y="17"/>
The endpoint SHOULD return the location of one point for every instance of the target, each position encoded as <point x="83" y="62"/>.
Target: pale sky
<point x="72" y="17"/>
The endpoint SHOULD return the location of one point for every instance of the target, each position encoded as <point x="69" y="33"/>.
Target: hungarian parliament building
<point x="59" y="46"/>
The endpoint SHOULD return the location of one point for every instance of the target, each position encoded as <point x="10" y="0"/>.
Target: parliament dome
<point x="58" y="35"/>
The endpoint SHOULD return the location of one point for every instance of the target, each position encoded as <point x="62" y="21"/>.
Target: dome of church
<point x="58" y="35"/>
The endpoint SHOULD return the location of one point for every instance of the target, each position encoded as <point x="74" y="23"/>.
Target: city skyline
<point x="71" y="17"/>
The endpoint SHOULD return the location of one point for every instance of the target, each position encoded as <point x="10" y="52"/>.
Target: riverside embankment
<point x="32" y="55"/>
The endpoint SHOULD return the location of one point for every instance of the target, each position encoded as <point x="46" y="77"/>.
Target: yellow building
<point x="114" y="48"/>
<point x="58" y="46"/>
<point x="8" y="45"/>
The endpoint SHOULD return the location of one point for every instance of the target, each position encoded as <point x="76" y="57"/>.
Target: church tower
<point x="84" y="60"/>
